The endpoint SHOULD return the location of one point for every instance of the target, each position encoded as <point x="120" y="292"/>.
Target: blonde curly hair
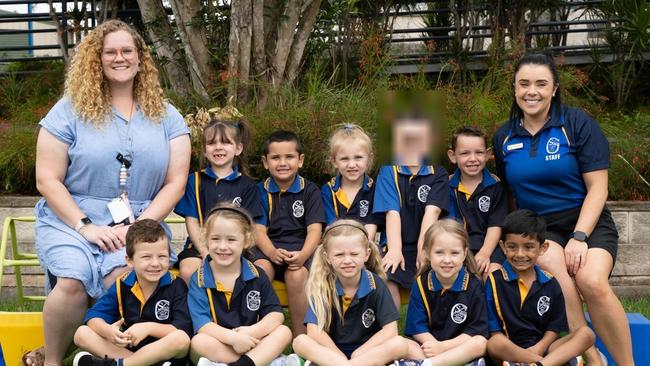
<point x="88" y="88"/>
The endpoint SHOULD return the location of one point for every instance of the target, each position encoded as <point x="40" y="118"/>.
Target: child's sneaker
<point x="510" y="363"/>
<point x="279" y="361"/>
<point x="205" y="362"/>
<point x="86" y="359"/>
<point x="477" y="362"/>
<point x="408" y="363"/>
<point x="576" y="361"/>
<point x="293" y="360"/>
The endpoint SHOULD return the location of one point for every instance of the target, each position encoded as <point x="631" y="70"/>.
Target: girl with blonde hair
<point x="351" y="319"/>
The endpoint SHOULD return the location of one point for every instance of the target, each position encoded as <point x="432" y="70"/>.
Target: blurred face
<point x="347" y="255"/>
<point x="534" y="89"/>
<point x="351" y="161"/>
<point x="411" y="141"/>
<point x="226" y="242"/>
<point x="283" y="161"/>
<point x="221" y="152"/>
<point x="470" y="155"/>
<point x="522" y="252"/>
<point x="447" y="256"/>
<point x="150" y="260"/>
<point x="120" y="58"/>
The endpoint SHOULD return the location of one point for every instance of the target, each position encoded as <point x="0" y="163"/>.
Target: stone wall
<point x="631" y="275"/>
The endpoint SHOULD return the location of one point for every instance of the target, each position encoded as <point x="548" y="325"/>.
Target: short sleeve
<point x="499" y="206"/>
<point x="270" y="303"/>
<point x="264" y="203"/>
<point x="187" y="206"/>
<point x="174" y="124"/>
<point x="105" y="308"/>
<point x="328" y="204"/>
<point x="477" y="320"/>
<point x="417" y="320"/>
<point x="493" y="321"/>
<point x="60" y="121"/>
<point x="314" y="212"/>
<point x="439" y="194"/>
<point x="198" y="305"/>
<point x="180" y="314"/>
<point x="557" y="321"/>
<point x="592" y="147"/>
<point x="497" y="148"/>
<point x="310" y="316"/>
<point x="251" y="201"/>
<point x="386" y="310"/>
<point x="386" y="196"/>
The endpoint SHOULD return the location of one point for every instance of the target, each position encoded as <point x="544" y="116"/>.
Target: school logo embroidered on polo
<point x="423" y="193"/>
<point x="237" y="201"/>
<point x="368" y="317"/>
<point x="364" y="206"/>
<point x="543" y="304"/>
<point x="553" y="145"/>
<point x="253" y="300"/>
<point x="484" y="203"/>
<point x="459" y="313"/>
<point x="162" y="310"/>
<point x="298" y="209"/>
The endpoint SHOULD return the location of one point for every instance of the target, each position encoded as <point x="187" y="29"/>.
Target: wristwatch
<point x="579" y="236"/>
<point x="83" y="222"/>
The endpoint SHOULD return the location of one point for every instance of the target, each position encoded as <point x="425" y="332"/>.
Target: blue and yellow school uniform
<point x="524" y="314"/>
<point x="250" y="300"/>
<point x="205" y="189"/>
<point x="125" y="300"/>
<point x="364" y="315"/>
<point x="447" y="313"/>
<point x="486" y="207"/>
<point x="338" y="206"/>
<point x="399" y="189"/>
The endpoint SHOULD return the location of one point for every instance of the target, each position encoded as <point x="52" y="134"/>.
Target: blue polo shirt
<point x="447" y="313"/>
<point x="287" y="214"/>
<point x="338" y="206"/>
<point x="524" y="315"/>
<point x="125" y="300"/>
<point x="205" y="189"/>
<point x="545" y="170"/>
<point x="486" y="207"/>
<point x="398" y="189"/>
<point x="251" y="299"/>
<point x="370" y="310"/>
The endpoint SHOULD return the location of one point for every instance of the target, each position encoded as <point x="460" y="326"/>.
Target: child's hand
<point x="244" y="330"/>
<point x="392" y="260"/>
<point x="295" y="260"/>
<point x="117" y="337"/>
<point x="482" y="261"/>
<point x="278" y="255"/>
<point x="243" y="343"/>
<point x="431" y="348"/>
<point x="137" y="332"/>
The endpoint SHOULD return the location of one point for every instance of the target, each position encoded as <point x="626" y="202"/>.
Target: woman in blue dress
<point x="112" y="138"/>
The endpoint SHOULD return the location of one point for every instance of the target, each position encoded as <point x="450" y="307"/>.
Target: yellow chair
<point x="20" y="333"/>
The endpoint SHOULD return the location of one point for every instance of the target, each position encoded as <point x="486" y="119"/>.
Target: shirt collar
<point x="556" y="120"/>
<point x="509" y="273"/>
<point x="335" y="183"/>
<point x="488" y="179"/>
<point x="131" y="278"/>
<point x="205" y="277"/>
<point x="297" y="185"/>
<point x="232" y="176"/>
<point x="424" y="170"/>
<point x="461" y="283"/>
<point x="366" y="285"/>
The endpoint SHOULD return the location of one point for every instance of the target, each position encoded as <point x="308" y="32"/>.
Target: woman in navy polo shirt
<point x="555" y="159"/>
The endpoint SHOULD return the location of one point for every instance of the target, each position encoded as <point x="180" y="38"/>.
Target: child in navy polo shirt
<point x="236" y="314"/>
<point x="351" y="318"/>
<point x="225" y="179"/>
<point x="350" y="193"/>
<point x="291" y="225"/>
<point x="446" y="312"/>
<point x="526" y="311"/>
<point x="412" y="194"/>
<point x="477" y="199"/>
<point x="142" y="319"/>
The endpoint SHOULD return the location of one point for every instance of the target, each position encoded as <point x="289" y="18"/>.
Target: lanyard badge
<point x="120" y="207"/>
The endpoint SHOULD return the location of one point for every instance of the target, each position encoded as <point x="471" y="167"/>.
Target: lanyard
<point x="124" y="173"/>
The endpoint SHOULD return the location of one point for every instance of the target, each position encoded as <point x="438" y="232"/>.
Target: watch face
<point x="86" y="221"/>
<point x="580" y="236"/>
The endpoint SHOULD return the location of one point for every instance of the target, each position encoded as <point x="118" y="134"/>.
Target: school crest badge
<point x="543" y="304"/>
<point x="553" y="145"/>
<point x="253" y="300"/>
<point x="364" y="206"/>
<point x="484" y="203"/>
<point x="423" y="193"/>
<point x="368" y="317"/>
<point x="459" y="313"/>
<point x="237" y="201"/>
<point x="298" y="209"/>
<point x="162" y="310"/>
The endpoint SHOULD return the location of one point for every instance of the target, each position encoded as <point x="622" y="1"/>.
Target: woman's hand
<point x="575" y="254"/>
<point x="393" y="259"/>
<point x="105" y="237"/>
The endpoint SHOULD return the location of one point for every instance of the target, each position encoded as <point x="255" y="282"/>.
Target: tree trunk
<point x="259" y="54"/>
<point x="61" y="32"/>
<point x="233" y="50"/>
<point x="286" y="31"/>
<point x="300" y="40"/>
<point x="245" y="41"/>
<point x="164" y="42"/>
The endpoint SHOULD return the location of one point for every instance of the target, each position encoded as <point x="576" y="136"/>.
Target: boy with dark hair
<point x="290" y="228"/>
<point x="526" y="311"/>
<point x="143" y="318"/>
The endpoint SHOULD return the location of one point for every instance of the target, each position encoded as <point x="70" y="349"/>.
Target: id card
<point x="119" y="209"/>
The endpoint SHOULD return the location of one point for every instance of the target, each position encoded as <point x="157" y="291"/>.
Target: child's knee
<point x="82" y="333"/>
<point x="201" y="342"/>
<point x="297" y="278"/>
<point x="299" y="342"/>
<point x="586" y="334"/>
<point x="479" y="344"/>
<point x="398" y="346"/>
<point x="179" y="340"/>
<point x="495" y="344"/>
